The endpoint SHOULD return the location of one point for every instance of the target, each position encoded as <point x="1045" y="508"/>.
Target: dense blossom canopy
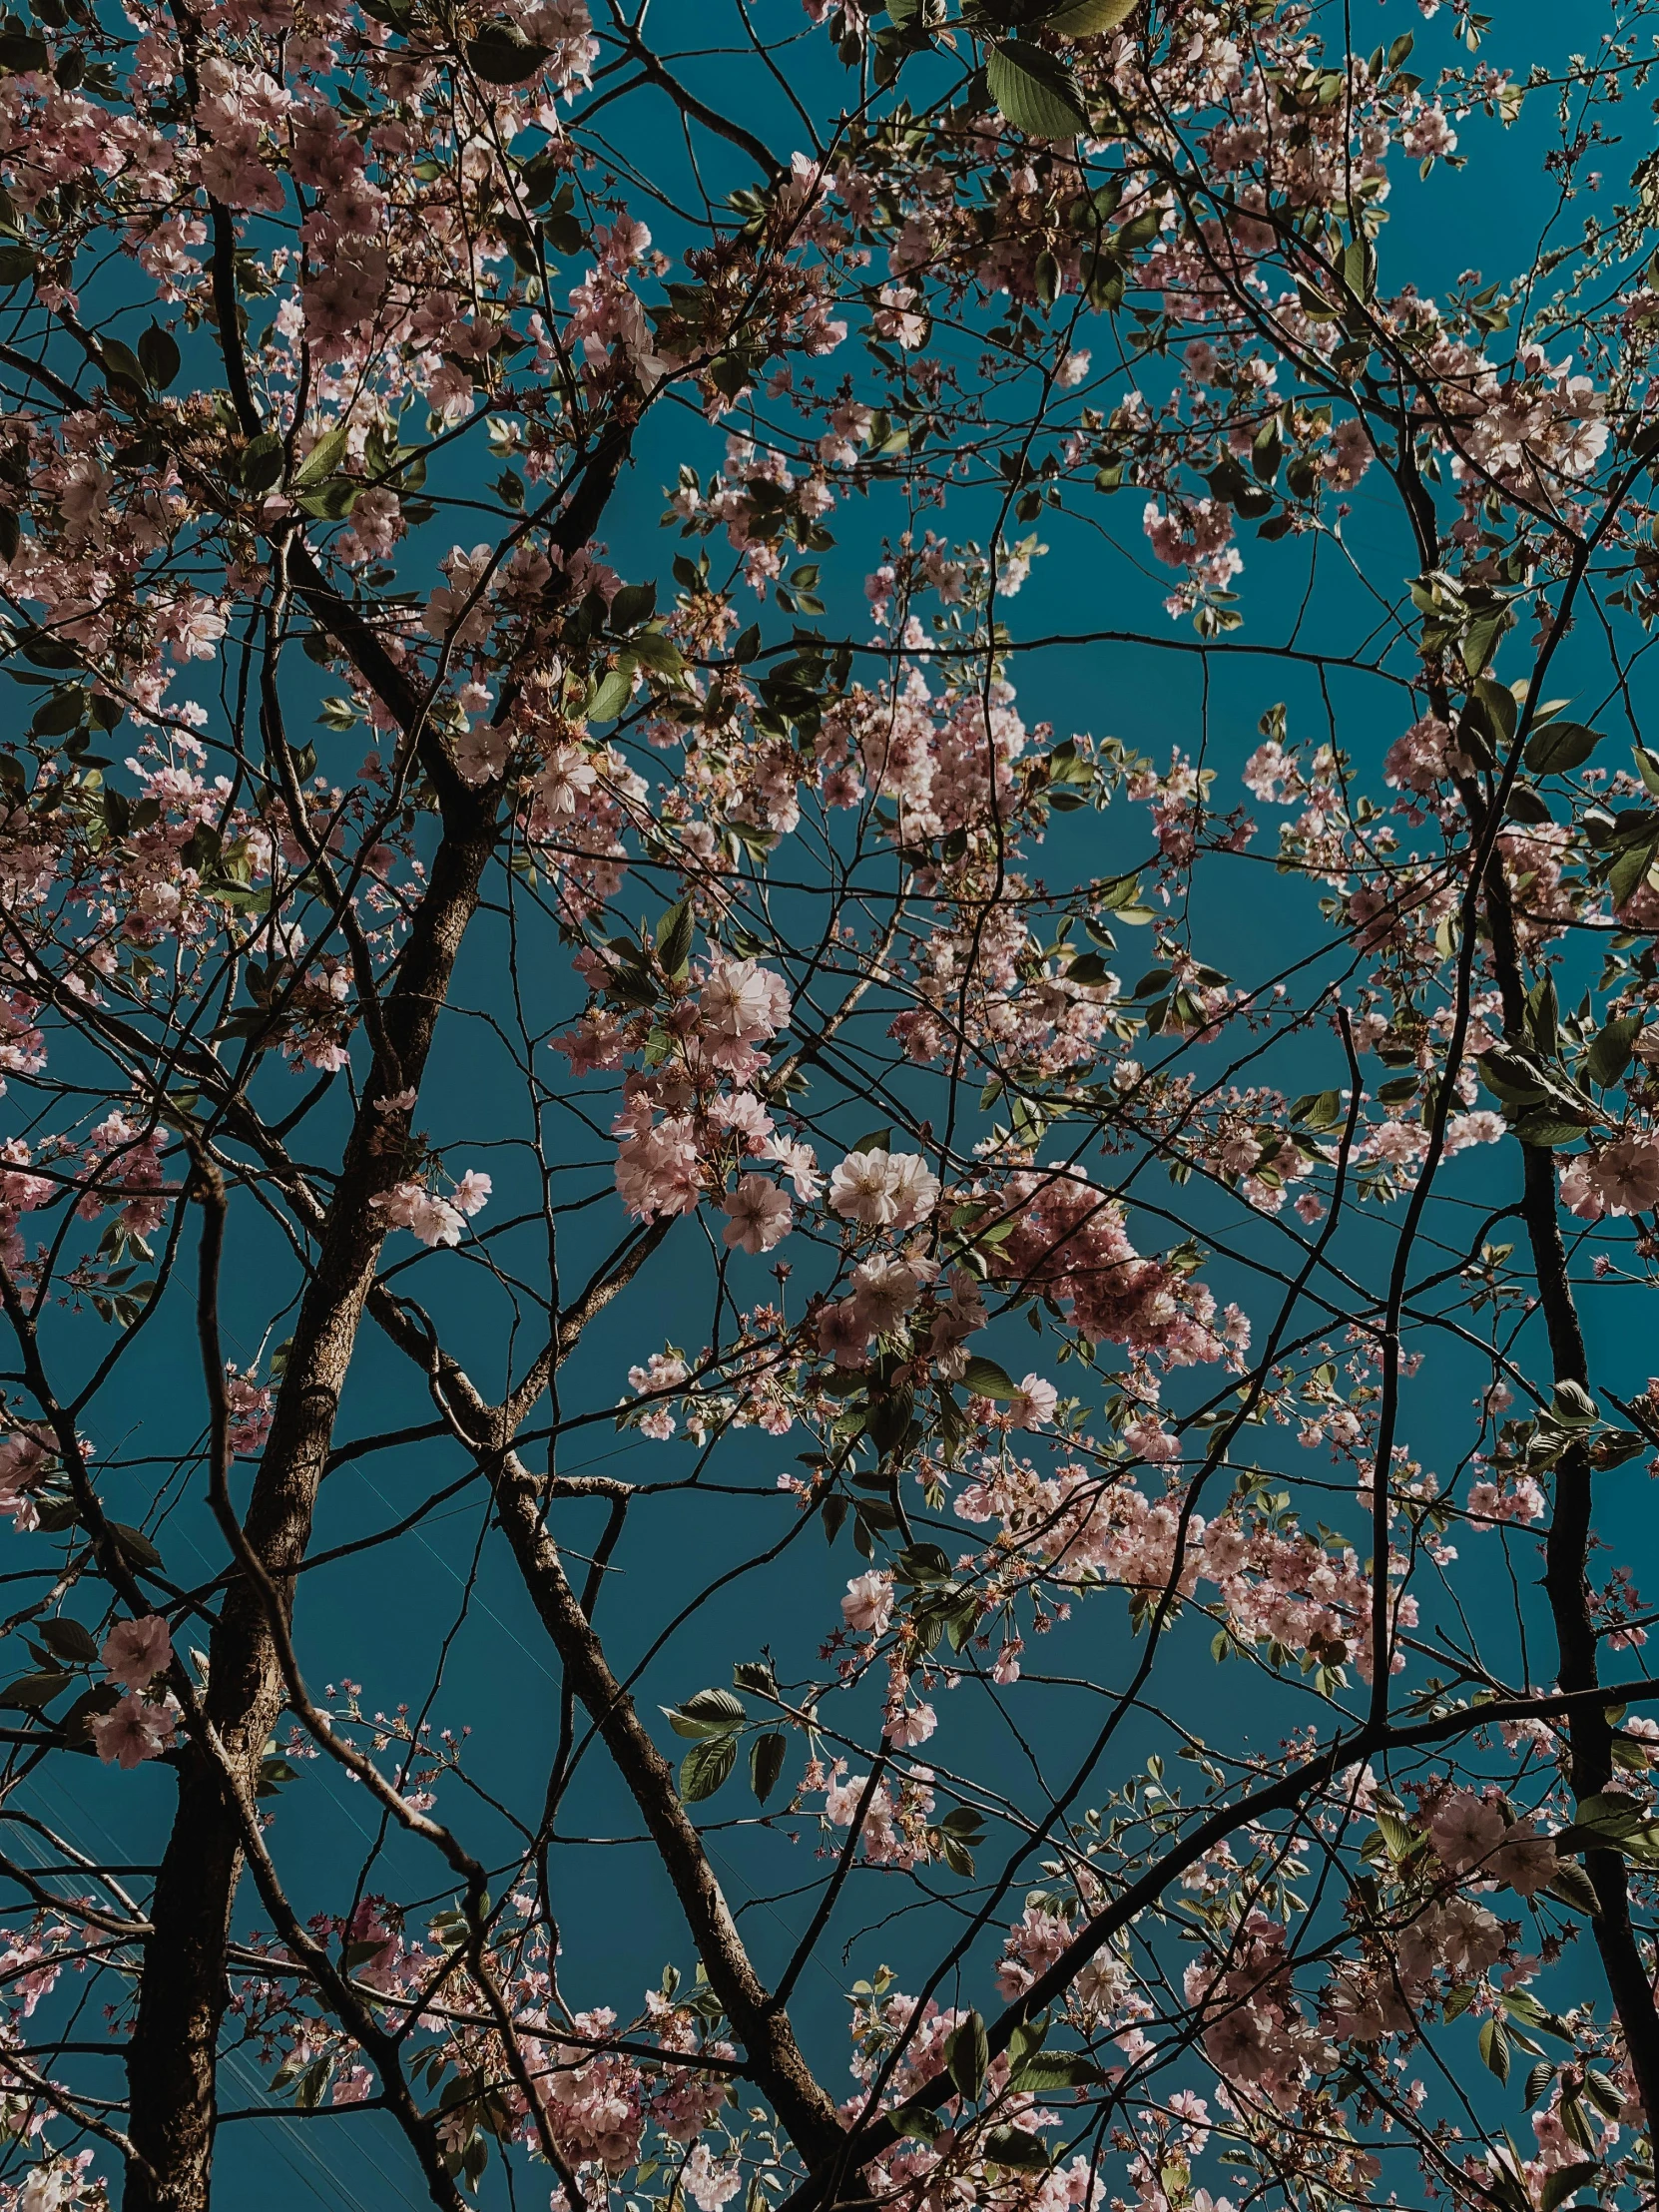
<point x="1152" y="1444"/>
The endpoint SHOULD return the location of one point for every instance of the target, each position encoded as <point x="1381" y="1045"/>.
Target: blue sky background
<point x="619" y="1924"/>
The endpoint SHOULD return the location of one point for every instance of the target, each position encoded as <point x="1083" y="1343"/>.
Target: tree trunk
<point x="182" y="1996"/>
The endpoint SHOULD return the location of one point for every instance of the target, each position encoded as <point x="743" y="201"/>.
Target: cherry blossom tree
<point x="533" y="826"/>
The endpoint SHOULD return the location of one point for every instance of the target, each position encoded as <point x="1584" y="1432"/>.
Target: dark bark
<point x="183" y="1991"/>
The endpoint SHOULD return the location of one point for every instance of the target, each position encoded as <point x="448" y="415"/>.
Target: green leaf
<point x="705" y="1766"/>
<point x="1089" y="968"/>
<point x="1032" y="90"/>
<point x="986" y="1379"/>
<point x="1091" y="18"/>
<point x="615" y="690"/>
<point x="21" y="54"/>
<point x="17" y="266"/>
<point x="1560" y="2184"/>
<point x="708" y="1713"/>
<point x="634" y="604"/>
<point x="1055" y="2069"/>
<point x="31" y="1691"/>
<point x="1609" y="1057"/>
<point x="1543" y="1016"/>
<point x="122" y="363"/>
<point x="159" y="357"/>
<point x="1025" y="2043"/>
<point x="1494" y="2047"/>
<point x="66" y="1639"/>
<point x="660" y="655"/>
<point x="502" y="55"/>
<point x="1012" y="2146"/>
<point x="878" y="1140"/>
<point x="1559" y="746"/>
<point x="765" y="1764"/>
<point x="135" y="1546"/>
<point x="674" y="938"/>
<point x="324" y="459"/>
<point x="262" y="462"/>
<point x="1545" y="1130"/>
<point x="1629" y="871"/>
<point x="967" y="2057"/>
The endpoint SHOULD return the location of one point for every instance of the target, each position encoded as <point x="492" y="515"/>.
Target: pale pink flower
<point x="471" y="1194"/>
<point x="1033" y="1402"/>
<point x="883" y="1190"/>
<point x="869" y="1602"/>
<point x="840" y="1329"/>
<point x="760" y="1214"/>
<point x="433" y="1219"/>
<point x="883" y="1292"/>
<point x="911" y="1724"/>
<point x="1527" y="1861"/>
<point x="132" y="1730"/>
<point x="1626" y="1176"/>
<point x="1466" y="1829"/>
<point x="136" y="1651"/>
<point x="799" y="1163"/>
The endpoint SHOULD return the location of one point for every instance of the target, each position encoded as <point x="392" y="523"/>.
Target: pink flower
<point x="132" y="1730"/>
<point x="883" y="1190"/>
<point x="1467" y="1830"/>
<point x="744" y="1001"/>
<point x="1626" y="1176"/>
<point x="657" y="1171"/>
<point x="760" y="1215"/>
<point x="1526" y="1861"/>
<point x="1033" y="1403"/>
<point x="911" y="1724"/>
<point x="840" y="1329"/>
<point x="869" y="1602"/>
<point x="883" y="1290"/>
<point x="433" y="1219"/>
<point x="136" y="1651"/>
<point x="799" y="1163"/>
<point x="471" y="1193"/>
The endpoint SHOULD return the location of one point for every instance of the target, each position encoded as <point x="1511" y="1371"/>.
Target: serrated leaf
<point x="616" y="688"/>
<point x="1538" y="2080"/>
<point x="705" y="1766"/>
<point x="1573" y="1885"/>
<point x="1032" y="91"/>
<point x="32" y="1691"/>
<point x="1013" y="2147"/>
<point x="1055" y="2069"/>
<point x="66" y="1639"/>
<point x="1547" y="1130"/>
<point x="765" y="1764"/>
<point x="708" y="1713"/>
<point x="1494" y="2047"/>
<point x="674" y="937"/>
<point x="1564" y="2180"/>
<point x="323" y="458"/>
<point x="159" y="357"/>
<point x="502" y="55"/>
<point x="986" y="1379"/>
<point x="136" y="1544"/>
<point x="967" y="2057"/>
<point x="660" y="653"/>
<point x="1609" y="1055"/>
<point x="1560" y="747"/>
<point x="1091" y="18"/>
